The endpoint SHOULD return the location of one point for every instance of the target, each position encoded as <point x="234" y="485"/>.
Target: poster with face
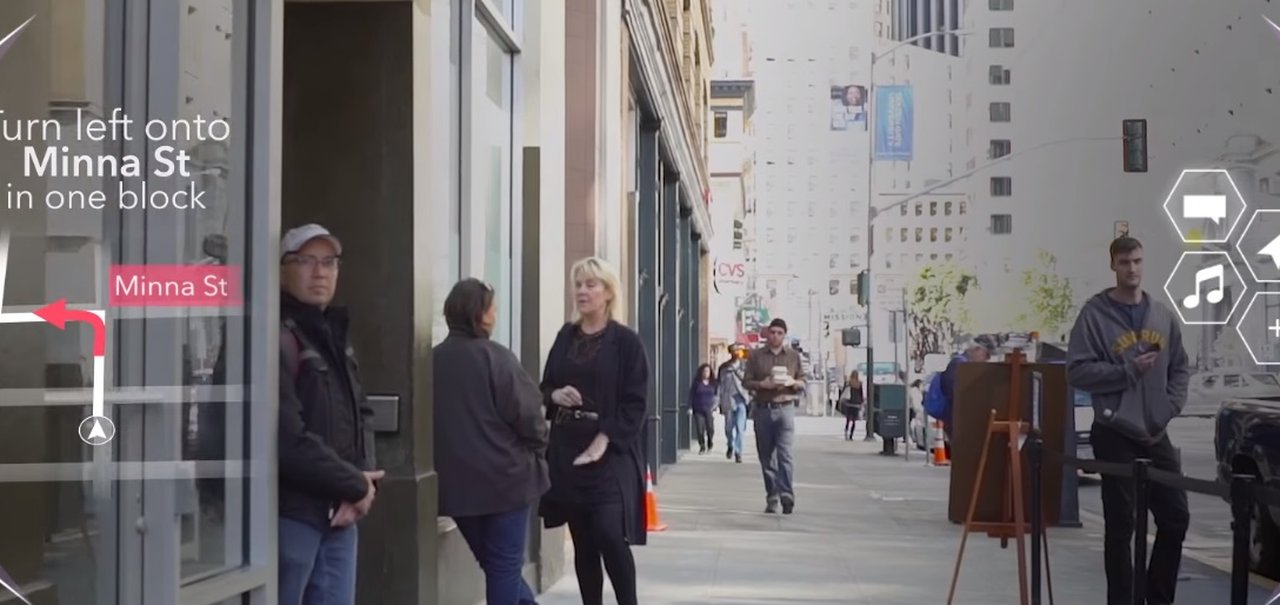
<point x="848" y="106"/>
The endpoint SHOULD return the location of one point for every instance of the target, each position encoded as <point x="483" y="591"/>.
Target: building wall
<point x="810" y="175"/>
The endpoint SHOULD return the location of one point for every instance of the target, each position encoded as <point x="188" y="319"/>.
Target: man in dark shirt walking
<point x="776" y="378"/>
<point x="326" y="481"/>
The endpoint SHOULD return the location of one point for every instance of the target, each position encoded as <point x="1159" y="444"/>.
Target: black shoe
<point x="788" y="505"/>
<point x="771" y="508"/>
<point x="738" y="458"/>
<point x="701" y="450"/>
<point x="728" y="453"/>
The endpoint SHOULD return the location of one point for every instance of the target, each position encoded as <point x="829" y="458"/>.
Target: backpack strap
<point x="291" y="346"/>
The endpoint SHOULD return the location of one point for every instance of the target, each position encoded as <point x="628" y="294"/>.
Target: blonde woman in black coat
<point x="596" y="388"/>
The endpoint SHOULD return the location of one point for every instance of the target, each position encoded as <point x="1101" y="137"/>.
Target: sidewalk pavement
<point x="867" y="529"/>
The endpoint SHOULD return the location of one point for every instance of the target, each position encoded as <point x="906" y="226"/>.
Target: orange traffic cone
<point x="939" y="446"/>
<point x="652" y="522"/>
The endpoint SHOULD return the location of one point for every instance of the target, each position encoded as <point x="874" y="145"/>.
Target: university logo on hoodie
<point x="1131" y="339"/>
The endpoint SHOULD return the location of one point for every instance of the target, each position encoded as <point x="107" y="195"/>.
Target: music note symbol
<point x="1214" y="296"/>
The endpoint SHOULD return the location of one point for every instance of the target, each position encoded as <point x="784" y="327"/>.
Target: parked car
<point x="1207" y="390"/>
<point x="1247" y="441"/>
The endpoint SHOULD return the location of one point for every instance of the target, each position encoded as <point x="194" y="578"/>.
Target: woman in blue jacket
<point x="702" y="401"/>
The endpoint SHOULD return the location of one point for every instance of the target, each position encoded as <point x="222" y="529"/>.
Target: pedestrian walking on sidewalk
<point x="596" y="385"/>
<point x="490" y="437"/>
<point x="1126" y="351"/>
<point x="850" y="399"/>
<point x="327" y="481"/>
<point x="702" y="402"/>
<point x="733" y="400"/>
<point x="776" y="379"/>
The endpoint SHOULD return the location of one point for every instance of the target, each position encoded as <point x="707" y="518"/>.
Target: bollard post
<point x="1140" y="506"/>
<point x="1034" y="452"/>
<point x="1241" y="519"/>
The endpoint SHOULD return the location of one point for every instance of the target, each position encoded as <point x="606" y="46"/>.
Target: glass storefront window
<point x="442" y="164"/>
<point x="166" y="503"/>
<point x="491" y="169"/>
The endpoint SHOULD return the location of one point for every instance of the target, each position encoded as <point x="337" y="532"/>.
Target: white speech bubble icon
<point x="1212" y="207"/>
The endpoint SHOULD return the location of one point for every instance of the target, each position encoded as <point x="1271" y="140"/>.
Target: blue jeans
<point x="317" y="567"/>
<point x="775" y="432"/>
<point x="735" y="425"/>
<point x="498" y="543"/>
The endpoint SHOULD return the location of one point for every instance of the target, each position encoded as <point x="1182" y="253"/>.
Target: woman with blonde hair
<point x="851" y="403"/>
<point x="596" y="387"/>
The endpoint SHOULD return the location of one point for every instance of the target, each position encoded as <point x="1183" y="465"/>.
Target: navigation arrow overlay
<point x="1273" y="250"/>
<point x="57" y="314"/>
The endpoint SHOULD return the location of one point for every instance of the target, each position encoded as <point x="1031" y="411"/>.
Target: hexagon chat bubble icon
<point x="1259" y="245"/>
<point x="1259" y="328"/>
<point x="1205" y="288"/>
<point x="1205" y="205"/>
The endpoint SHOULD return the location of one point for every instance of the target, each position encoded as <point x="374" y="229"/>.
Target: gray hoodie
<point x="1100" y="361"/>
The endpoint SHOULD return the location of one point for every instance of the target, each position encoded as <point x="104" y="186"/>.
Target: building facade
<point x="732" y="168"/>
<point x="436" y="138"/>
<point x="811" y="144"/>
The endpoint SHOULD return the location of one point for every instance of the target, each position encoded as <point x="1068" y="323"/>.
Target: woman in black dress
<point x="596" y="389"/>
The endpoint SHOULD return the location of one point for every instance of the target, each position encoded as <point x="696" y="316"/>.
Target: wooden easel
<point x="1013" y="523"/>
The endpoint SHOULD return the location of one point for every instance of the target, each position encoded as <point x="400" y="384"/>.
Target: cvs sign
<point x="730" y="273"/>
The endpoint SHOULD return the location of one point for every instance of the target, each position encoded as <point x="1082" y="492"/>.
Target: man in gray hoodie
<point x="1126" y="352"/>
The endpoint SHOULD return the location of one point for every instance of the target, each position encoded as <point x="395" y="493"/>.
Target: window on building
<point x="919" y="234"/>
<point x="946" y="209"/>
<point x="946" y="234"/>
<point x="853" y="286"/>
<point x="963" y="207"/>
<point x="1000" y="148"/>
<point x="919" y="208"/>
<point x="879" y="30"/>
<point x="933" y="234"/>
<point x="491" y="173"/>
<point x="1001" y="111"/>
<point x="888" y="235"/>
<point x="902" y="234"/>
<point x="950" y="256"/>
<point x="1001" y="186"/>
<point x="933" y="208"/>
<point x="721" y="124"/>
<point x="1001" y="224"/>
<point x="831" y="263"/>
<point x="1001" y="5"/>
<point x="1001" y="37"/>
<point x="902" y="210"/>
<point x="998" y="75"/>
<point x="919" y="258"/>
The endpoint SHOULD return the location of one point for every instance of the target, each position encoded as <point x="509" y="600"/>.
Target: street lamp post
<point x="871" y="214"/>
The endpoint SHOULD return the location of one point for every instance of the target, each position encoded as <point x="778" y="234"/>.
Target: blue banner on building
<point x="894" y="111"/>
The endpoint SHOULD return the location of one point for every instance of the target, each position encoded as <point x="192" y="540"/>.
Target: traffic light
<point x="737" y="234"/>
<point x="851" y="337"/>
<point x="1135" y="145"/>
<point x="864" y="285"/>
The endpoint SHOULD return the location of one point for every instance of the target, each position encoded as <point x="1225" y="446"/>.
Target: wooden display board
<point x="981" y="388"/>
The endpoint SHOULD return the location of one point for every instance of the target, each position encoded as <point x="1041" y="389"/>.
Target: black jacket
<point x="621" y="391"/>
<point x="490" y="433"/>
<point x="321" y="420"/>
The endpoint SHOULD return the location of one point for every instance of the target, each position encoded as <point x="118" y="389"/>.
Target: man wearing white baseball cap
<point x="327" y="482"/>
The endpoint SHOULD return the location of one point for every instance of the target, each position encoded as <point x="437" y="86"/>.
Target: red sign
<point x="174" y="286"/>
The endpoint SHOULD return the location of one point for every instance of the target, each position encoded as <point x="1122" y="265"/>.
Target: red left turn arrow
<point x="58" y="314"/>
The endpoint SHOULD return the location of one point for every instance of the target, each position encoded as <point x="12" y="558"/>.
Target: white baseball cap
<point x="298" y="237"/>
